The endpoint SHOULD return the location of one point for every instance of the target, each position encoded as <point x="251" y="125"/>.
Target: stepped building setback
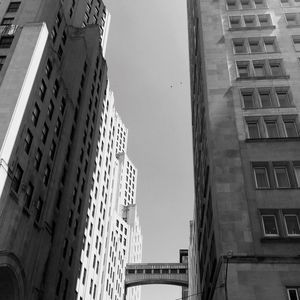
<point x="245" y="74"/>
<point x="63" y="162"/>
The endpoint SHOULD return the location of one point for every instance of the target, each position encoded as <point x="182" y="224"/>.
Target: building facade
<point x="112" y="235"/>
<point x="244" y="69"/>
<point x="53" y="85"/>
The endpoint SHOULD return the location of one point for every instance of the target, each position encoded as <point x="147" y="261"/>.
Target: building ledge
<point x="263" y="77"/>
<point x="271" y="140"/>
<point x="293" y="26"/>
<point x="252" y="28"/>
<point x="280" y="239"/>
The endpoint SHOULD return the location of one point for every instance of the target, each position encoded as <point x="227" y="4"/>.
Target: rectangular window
<point x="39" y="208"/>
<point x="260" y="4"/>
<point x="270" y="44"/>
<point x="270" y="225"/>
<point x="246" y="4"/>
<point x="44" y="135"/>
<point x="255" y="45"/>
<point x="235" y="22"/>
<point x="46" y="175"/>
<point x="272" y="128"/>
<point x="276" y="67"/>
<point x="297" y="174"/>
<point x="52" y="149"/>
<point x="13" y="6"/>
<point x="283" y="97"/>
<point x="282" y="177"/>
<point x="55" y="88"/>
<point x="253" y="130"/>
<point x="296" y="41"/>
<point x="28" y="195"/>
<point x="7" y="21"/>
<point x="293" y="293"/>
<point x="264" y="20"/>
<point x="37" y="159"/>
<point x="265" y="98"/>
<point x="259" y="68"/>
<point x="35" y="114"/>
<point x="250" y="21"/>
<point x="290" y="128"/>
<point x="42" y="90"/>
<point x="2" y="61"/>
<point x="261" y="178"/>
<point x="239" y="46"/>
<point x="48" y="68"/>
<point x="16" y="181"/>
<point x="292" y="224"/>
<point x="50" y="109"/>
<point x="6" y="41"/>
<point x="28" y="141"/>
<point x="243" y="69"/>
<point x="291" y="19"/>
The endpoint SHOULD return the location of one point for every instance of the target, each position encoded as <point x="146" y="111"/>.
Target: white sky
<point x="147" y="53"/>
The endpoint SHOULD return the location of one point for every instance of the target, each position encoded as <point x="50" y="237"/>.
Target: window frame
<point x="267" y="177"/>
<point x="263" y="224"/>
<point x="285" y="223"/>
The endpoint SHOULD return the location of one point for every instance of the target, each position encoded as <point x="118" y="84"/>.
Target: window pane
<point x="276" y="69"/>
<point x="291" y="129"/>
<point x="259" y="69"/>
<point x="297" y="174"/>
<point x="292" y="224"/>
<point x="282" y="177"/>
<point x="272" y="129"/>
<point x="235" y="22"/>
<point x="255" y="46"/>
<point x="243" y="69"/>
<point x="248" y="99"/>
<point x="270" y="45"/>
<point x="239" y="46"/>
<point x="253" y="130"/>
<point x="270" y="225"/>
<point x="265" y="99"/>
<point x="249" y="21"/>
<point x="261" y="177"/>
<point x="293" y="294"/>
<point x="283" y="98"/>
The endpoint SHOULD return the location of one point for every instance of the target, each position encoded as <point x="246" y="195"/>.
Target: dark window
<point x="292" y="224"/>
<point x="13" y="6"/>
<point x="28" y="141"/>
<point x="7" y="21"/>
<point x="261" y="178"/>
<point x="53" y="34"/>
<point x="282" y="177"/>
<point x="283" y="98"/>
<point x="56" y="88"/>
<point x="57" y="127"/>
<point x="52" y="150"/>
<point x="6" y="41"/>
<point x="60" y="52"/>
<point x="293" y="293"/>
<point x="270" y="225"/>
<point x="253" y="130"/>
<point x="46" y="175"/>
<point x="64" y="37"/>
<point x="272" y="128"/>
<point x="48" y="68"/>
<point x="276" y="68"/>
<point x="28" y="194"/>
<point x="45" y="131"/>
<point x="16" y="181"/>
<point x="35" y="114"/>
<point x="62" y="106"/>
<point x="50" y="109"/>
<point x="37" y="159"/>
<point x="42" y="90"/>
<point x="65" y="247"/>
<point x="58" y="19"/>
<point x="2" y="61"/>
<point x="248" y="99"/>
<point x="39" y="207"/>
<point x="290" y="128"/>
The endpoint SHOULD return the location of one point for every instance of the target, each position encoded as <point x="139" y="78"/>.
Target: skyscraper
<point x="244" y="68"/>
<point x="112" y="235"/>
<point x="53" y="97"/>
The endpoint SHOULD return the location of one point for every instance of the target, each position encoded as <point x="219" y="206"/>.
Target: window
<point x="37" y="159"/>
<point x="293" y="293"/>
<point x="50" y="109"/>
<point x="235" y="21"/>
<point x="28" y="141"/>
<point x="296" y="41"/>
<point x="35" y="114"/>
<point x="243" y="69"/>
<point x="276" y="67"/>
<point x="52" y="150"/>
<point x="255" y="45"/>
<point x="270" y="44"/>
<point x="6" y="41"/>
<point x="259" y="68"/>
<point x="57" y="127"/>
<point x="53" y="34"/>
<point x="2" y="61"/>
<point x="58" y="20"/>
<point x="264" y="20"/>
<point x="46" y="175"/>
<point x="62" y="106"/>
<point x="297" y="174"/>
<point x="249" y="21"/>
<point x="44" y="135"/>
<point x="253" y="129"/>
<point x="16" y="181"/>
<point x="239" y="46"/>
<point x="13" y="6"/>
<point x="291" y="19"/>
<point x="39" y="207"/>
<point x="60" y="52"/>
<point x="283" y="97"/>
<point x="48" y="68"/>
<point x="265" y="98"/>
<point x="7" y="21"/>
<point x="292" y="224"/>
<point x="42" y="90"/>
<point x="261" y="178"/>
<point x="272" y="128"/>
<point x="246" y="4"/>
<point x="28" y="194"/>
<point x="290" y="128"/>
<point x="270" y="225"/>
<point x="260" y="3"/>
<point x="282" y="177"/>
<point x="56" y="88"/>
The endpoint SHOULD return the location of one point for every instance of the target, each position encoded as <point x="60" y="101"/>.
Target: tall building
<point x="53" y="97"/>
<point x="112" y="235"/>
<point x="245" y="71"/>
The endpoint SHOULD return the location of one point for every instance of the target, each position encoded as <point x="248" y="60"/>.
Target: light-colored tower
<point x="113" y="235"/>
<point x="52" y="85"/>
<point x="245" y="72"/>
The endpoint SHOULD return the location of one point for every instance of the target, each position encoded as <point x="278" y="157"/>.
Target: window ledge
<point x="252" y="28"/>
<point x="254" y="53"/>
<point x="243" y="9"/>
<point x="271" y="140"/>
<point x="270" y="107"/>
<point x="263" y="77"/>
<point x="293" y="26"/>
<point x="280" y="239"/>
